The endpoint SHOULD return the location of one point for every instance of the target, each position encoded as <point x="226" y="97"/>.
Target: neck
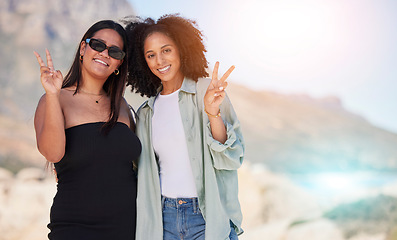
<point x="94" y="87"/>
<point x="171" y="86"/>
<point x="92" y="84"/>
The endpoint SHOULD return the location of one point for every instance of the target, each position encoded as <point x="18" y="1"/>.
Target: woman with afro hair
<point x="192" y="143"/>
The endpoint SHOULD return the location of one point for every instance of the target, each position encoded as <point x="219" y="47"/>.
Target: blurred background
<point x="314" y="89"/>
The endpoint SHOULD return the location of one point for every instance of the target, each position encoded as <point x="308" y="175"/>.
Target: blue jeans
<point x="182" y="219"/>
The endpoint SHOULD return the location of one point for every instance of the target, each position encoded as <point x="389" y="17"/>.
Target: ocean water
<point x="332" y="188"/>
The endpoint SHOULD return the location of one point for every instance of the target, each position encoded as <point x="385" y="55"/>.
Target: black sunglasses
<point x="100" y="46"/>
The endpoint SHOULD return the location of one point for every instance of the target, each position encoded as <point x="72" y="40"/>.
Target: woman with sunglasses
<point x="192" y="143"/>
<point x="84" y="126"/>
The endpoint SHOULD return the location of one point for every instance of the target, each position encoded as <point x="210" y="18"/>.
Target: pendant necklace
<point x="96" y="101"/>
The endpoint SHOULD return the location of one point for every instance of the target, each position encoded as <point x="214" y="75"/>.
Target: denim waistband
<point x="179" y="202"/>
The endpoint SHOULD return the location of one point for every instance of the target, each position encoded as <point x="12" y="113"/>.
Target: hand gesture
<point x="216" y="91"/>
<point x="50" y="79"/>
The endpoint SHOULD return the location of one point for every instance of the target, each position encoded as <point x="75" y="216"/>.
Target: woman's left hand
<point x="216" y="91"/>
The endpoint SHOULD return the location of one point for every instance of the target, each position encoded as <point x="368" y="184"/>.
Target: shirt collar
<point x="188" y="86"/>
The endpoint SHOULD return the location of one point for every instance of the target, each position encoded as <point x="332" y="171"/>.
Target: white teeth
<point x="164" y="69"/>
<point x="100" y="61"/>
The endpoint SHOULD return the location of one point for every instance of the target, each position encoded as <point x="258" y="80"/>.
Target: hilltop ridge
<point x="288" y="133"/>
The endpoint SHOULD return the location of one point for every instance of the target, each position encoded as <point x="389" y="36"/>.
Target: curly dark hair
<point x="188" y="39"/>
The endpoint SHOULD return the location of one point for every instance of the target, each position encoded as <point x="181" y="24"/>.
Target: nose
<point x="159" y="59"/>
<point x="105" y="53"/>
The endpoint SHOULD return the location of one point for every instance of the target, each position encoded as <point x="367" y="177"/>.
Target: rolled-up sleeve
<point x="227" y="156"/>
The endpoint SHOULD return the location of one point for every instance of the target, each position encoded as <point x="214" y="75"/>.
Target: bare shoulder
<point x="125" y="107"/>
<point x="66" y="93"/>
<point x="63" y="99"/>
<point x="40" y="106"/>
<point x="42" y="100"/>
<point x="125" y="113"/>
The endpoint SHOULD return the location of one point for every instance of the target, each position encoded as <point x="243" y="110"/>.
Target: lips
<point x="164" y="69"/>
<point x="101" y="62"/>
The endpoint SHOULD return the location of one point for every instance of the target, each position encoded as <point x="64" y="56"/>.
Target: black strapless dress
<point x="96" y="192"/>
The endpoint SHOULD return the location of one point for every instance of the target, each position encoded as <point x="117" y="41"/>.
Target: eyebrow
<point x="166" y="45"/>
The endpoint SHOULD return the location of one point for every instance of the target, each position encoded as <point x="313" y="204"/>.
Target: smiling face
<point x="163" y="58"/>
<point x="100" y="64"/>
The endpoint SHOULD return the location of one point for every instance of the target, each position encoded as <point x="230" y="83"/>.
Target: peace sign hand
<point x="216" y="91"/>
<point x="50" y="79"/>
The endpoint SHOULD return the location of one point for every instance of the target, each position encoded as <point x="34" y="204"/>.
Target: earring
<point x="116" y="72"/>
<point x="81" y="57"/>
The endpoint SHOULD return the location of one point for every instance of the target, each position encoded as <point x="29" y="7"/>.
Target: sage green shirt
<point x="214" y="166"/>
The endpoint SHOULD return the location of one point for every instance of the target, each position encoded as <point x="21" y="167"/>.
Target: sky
<point x="322" y="48"/>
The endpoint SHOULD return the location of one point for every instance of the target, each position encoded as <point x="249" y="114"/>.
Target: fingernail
<point x="221" y="88"/>
<point x="216" y="94"/>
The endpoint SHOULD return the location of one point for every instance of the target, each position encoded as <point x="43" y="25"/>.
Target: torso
<point x="169" y="143"/>
<point x="96" y="188"/>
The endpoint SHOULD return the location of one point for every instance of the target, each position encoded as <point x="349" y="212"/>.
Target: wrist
<point x="51" y="97"/>
<point x="210" y="114"/>
<point x="52" y="94"/>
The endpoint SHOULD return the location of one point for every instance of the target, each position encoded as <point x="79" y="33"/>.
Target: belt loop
<point x="194" y="205"/>
<point x="162" y="202"/>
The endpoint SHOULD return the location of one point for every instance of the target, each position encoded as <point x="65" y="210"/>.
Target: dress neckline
<point x="90" y="123"/>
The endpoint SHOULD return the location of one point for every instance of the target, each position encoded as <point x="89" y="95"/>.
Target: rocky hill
<point x="28" y="25"/>
<point x="300" y="134"/>
<point x="25" y="26"/>
<point x="283" y="133"/>
<point x="272" y="205"/>
<point x="288" y="133"/>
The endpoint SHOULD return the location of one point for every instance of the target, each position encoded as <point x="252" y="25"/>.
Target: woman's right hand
<point x="49" y="121"/>
<point x="50" y="79"/>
